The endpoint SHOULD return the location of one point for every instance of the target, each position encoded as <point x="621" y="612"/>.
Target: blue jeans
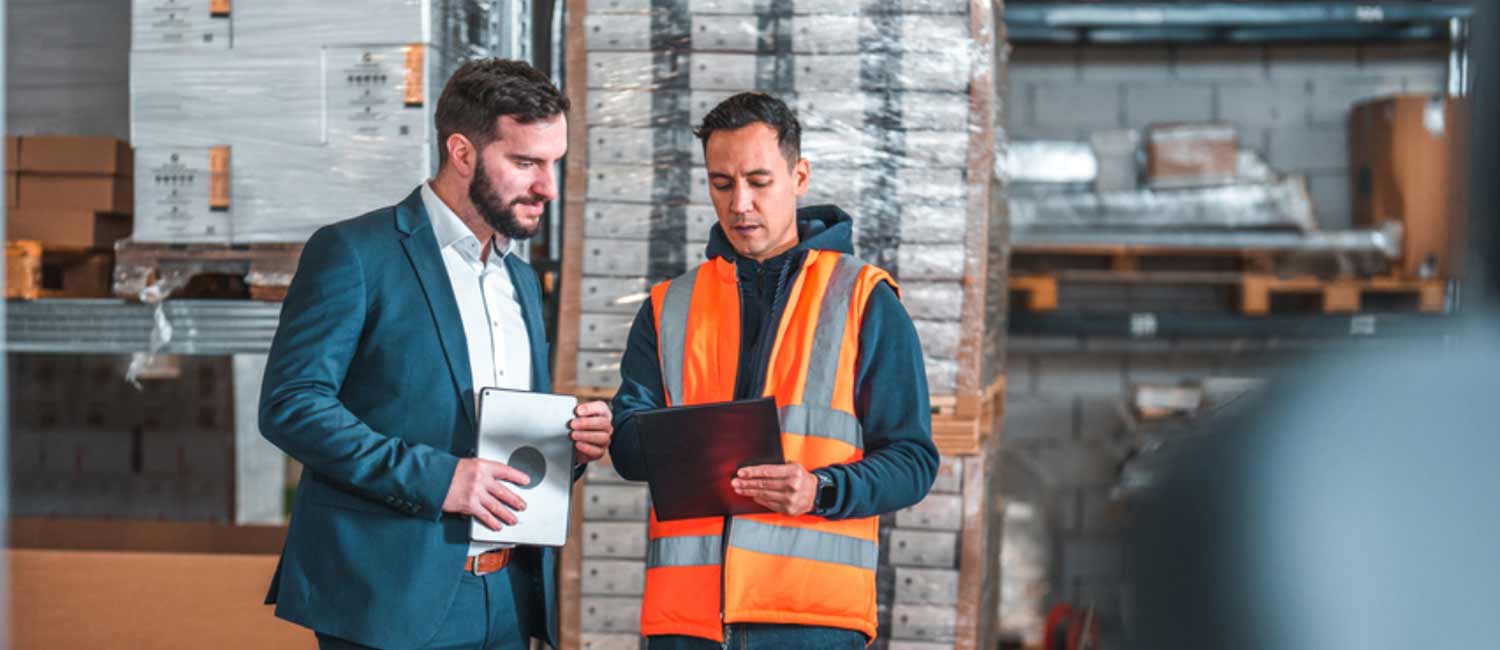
<point x="760" y="636"/>
<point x="486" y="613"/>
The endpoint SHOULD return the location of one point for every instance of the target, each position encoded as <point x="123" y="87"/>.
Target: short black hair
<point x="482" y="90"/>
<point x="745" y="109"/>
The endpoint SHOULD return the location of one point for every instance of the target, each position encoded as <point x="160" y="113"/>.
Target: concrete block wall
<point x="1065" y="440"/>
<point x="85" y="443"/>
<point x="1290" y="103"/>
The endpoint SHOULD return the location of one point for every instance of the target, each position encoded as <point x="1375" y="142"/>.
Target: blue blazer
<point x="368" y="385"/>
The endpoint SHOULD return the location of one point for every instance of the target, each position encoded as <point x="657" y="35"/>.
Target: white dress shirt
<point x="499" y="350"/>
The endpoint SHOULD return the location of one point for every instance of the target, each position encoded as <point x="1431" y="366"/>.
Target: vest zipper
<point x="759" y="369"/>
<point x="724" y="569"/>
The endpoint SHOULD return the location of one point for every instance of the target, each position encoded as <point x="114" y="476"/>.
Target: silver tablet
<point x="529" y="431"/>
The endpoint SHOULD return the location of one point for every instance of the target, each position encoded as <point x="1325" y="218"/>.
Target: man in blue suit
<point x="392" y="322"/>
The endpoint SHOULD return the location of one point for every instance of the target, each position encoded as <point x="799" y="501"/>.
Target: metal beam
<point x="1129" y="22"/>
<point x="212" y="327"/>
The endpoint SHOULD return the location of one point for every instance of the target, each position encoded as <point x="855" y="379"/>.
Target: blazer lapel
<point x="422" y="250"/>
<point x="531" y="312"/>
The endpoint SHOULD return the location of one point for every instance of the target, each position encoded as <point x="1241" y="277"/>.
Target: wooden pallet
<point x="255" y="271"/>
<point x="1339" y="296"/>
<point x="34" y="271"/>
<point x="1256" y="294"/>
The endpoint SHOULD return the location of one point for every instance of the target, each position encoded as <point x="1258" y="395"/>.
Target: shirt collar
<point x="451" y="231"/>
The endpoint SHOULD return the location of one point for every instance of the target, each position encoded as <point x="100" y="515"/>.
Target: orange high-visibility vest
<point x="776" y="569"/>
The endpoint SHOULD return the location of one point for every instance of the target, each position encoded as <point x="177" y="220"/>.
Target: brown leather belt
<point x="489" y="562"/>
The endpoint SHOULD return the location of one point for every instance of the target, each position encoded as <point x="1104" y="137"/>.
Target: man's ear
<point x="461" y="154"/>
<point x="800" y="172"/>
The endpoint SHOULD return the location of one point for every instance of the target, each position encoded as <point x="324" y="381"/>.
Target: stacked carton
<point x="882" y="89"/>
<point x="262" y="121"/>
<point x="68" y="192"/>
<point x="90" y="445"/>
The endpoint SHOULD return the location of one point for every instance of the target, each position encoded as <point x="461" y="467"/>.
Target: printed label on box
<point x="373" y="95"/>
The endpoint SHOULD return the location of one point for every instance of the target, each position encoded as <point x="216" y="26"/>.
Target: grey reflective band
<point x="828" y="339"/>
<point x="672" y="334"/>
<point x="803" y="543"/>
<point x="822" y="422"/>
<point x="684" y="551"/>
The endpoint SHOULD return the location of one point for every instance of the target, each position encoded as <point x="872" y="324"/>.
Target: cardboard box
<point x="1191" y="155"/>
<point x="74" y="155"/>
<point x="67" y="228"/>
<point x="12" y="153"/>
<point x="1409" y="162"/>
<point x="23" y="269"/>
<point x="54" y="192"/>
<point x="10" y="190"/>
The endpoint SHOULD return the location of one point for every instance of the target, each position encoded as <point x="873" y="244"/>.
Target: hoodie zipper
<point x="762" y="356"/>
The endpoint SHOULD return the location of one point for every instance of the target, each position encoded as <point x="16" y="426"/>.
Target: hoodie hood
<point x="819" y="227"/>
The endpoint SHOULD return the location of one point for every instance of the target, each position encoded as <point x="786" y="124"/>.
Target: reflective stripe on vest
<point x="672" y="337"/>
<point x="804" y="543"/>
<point x="685" y="551"/>
<point x="822" y="422"/>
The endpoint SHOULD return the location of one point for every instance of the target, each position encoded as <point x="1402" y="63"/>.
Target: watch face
<point x="826" y="495"/>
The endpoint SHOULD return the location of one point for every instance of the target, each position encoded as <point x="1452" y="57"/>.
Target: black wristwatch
<point x="828" y="493"/>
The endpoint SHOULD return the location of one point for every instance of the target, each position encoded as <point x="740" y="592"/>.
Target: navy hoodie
<point x="900" y="460"/>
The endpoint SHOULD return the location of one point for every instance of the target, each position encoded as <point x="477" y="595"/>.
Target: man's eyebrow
<point x="753" y="172"/>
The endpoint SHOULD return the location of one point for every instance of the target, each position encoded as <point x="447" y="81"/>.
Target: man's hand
<point x="787" y="489"/>
<point x="592" y="428"/>
<point x="477" y="490"/>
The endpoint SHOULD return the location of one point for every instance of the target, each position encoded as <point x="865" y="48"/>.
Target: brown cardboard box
<point x="58" y="154"/>
<point x="67" y="228"/>
<point x="1191" y="155"/>
<point x="1409" y="162"/>
<point x="53" y="192"/>
<point x="10" y="190"/>
<point x="23" y="269"/>
<point x="12" y="153"/>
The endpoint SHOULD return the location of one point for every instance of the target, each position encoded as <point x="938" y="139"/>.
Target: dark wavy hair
<point x="745" y="109"/>
<point x="482" y="90"/>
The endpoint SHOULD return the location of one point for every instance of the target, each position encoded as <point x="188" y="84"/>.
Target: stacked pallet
<point x="258" y="124"/>
<point x="894" y="98"/>
<point x="68" y="199"/>
<point x="896" y="102"/>
<point x="613" y="570"/>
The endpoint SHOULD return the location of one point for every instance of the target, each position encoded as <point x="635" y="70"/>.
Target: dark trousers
<point x="757" y="636"/>
<point x="487" y="612"/>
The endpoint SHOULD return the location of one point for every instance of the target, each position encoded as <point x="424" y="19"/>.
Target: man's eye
<point x="759" y="183"/>
<point x="723" y="187"/>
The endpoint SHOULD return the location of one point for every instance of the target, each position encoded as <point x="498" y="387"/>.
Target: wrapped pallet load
<point x="897" y="101"/>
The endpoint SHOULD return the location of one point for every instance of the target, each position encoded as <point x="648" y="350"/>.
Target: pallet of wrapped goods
<point x="325" y="112"/>
<point x="895" y="127"/>
<point x="897" y="103"/>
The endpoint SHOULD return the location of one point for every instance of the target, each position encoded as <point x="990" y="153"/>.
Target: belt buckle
<point x="474" y="565"/>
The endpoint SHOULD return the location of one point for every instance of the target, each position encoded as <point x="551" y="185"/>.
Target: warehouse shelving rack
<point x="1234" y="22"/>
